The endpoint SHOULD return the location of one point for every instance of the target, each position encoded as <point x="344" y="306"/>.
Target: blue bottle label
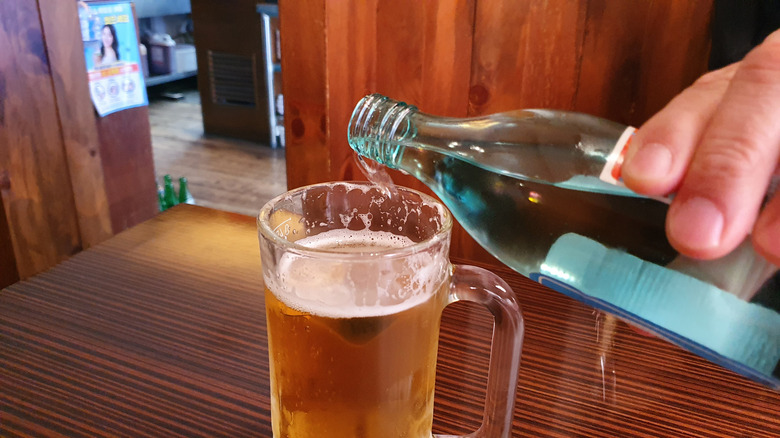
<point x="745" y="365"/>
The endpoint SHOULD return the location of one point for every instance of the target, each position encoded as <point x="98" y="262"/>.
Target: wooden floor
<point x="223" y="173"/>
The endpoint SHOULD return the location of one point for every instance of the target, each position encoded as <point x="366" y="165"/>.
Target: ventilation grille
<point x="232" y="79"/>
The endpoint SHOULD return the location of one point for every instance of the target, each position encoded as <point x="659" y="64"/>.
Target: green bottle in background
<point x="185" y="197"/>
<point x="169" y="193"/>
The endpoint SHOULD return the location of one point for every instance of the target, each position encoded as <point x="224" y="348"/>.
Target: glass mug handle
<point x="477" y="285"/>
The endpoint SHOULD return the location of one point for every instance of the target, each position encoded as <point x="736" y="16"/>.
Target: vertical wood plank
<point x="526" y="55"/>
<point x="77" y="118"/>
<point x="400" y="51"/>
<point x="447" y="49"/>
<point x="424" y="58"/>
<point x="351" y="57"/>
<point x="400" y="45"/>
<point x="37" y="197"/>
<point x="612" y="59"/>
<point x="304" y="85"/>
<point x="126" y="155"/>
<point x="630" y="68"/>
<point x="680" y="53"/>
<point x="419" y="52"/>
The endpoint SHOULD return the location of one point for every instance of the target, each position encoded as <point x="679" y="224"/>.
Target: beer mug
<point x="355" y="282"/>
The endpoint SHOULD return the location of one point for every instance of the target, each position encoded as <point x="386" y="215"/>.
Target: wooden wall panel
<point x="448" y="36"/>
<point x="629" y="69"/>
<point x="418" y="52"/>
<point x="37" y="197"/>
<point x="126" y="155"/>
<point x="68" y="179"/>
<point x="424" y="54"/>
<point x="621" y="59"/>
<point x="351" y="65"/>
<point x="400" y="47"/>
<point x="77" y="119"/>
<point x="675" y="58"/>
<point x="526" y="55"/>
<point x="611" y="67"/>
<point x="305" y="91"/>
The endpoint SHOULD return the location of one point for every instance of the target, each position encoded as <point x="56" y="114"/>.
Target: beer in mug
<point x="355" y="283"/>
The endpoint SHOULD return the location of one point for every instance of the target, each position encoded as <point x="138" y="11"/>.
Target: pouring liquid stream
<point x="376" y="174"/>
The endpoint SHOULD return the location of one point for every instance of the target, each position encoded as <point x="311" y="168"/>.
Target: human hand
<point x="716" y="146"/>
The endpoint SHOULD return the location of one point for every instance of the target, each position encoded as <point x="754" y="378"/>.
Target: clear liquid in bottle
<point x="527" y="185"/>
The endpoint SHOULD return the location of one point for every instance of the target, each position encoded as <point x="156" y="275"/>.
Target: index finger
<point x="721" y="194"/>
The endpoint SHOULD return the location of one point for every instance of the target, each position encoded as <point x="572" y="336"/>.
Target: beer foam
<point x="386" y="188"/>
<point x="327" y="286"/>
<point x="344" y="240"/>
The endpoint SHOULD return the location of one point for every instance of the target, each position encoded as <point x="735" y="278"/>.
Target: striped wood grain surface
<point x="160" y="331"/>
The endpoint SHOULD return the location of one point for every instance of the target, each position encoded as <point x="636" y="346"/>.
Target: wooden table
<point x="160" y="331"/>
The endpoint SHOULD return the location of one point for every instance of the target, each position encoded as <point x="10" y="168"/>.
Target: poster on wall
<point x="116" y="80"/>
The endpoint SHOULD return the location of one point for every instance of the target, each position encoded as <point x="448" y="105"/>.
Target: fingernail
<point x="651" y="161"/>
<point x="697" y="224"/>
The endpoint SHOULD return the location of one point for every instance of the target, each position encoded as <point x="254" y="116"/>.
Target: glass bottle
<point x="185" y="197"/>
<point x="541" y="191"/>
<point x="169" y="193"/>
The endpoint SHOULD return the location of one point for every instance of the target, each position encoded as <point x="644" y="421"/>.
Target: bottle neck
<point x="379" y="128"/>
<point x="541" y="145"/>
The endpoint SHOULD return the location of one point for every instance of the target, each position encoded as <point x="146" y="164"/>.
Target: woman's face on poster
<point x="108" y="38"/>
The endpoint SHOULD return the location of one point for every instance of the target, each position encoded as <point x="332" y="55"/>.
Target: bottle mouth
<point x="379" y="126"/>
